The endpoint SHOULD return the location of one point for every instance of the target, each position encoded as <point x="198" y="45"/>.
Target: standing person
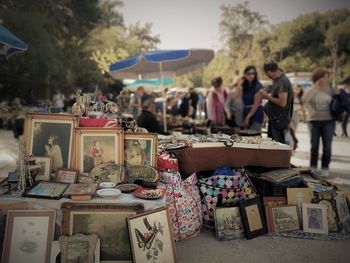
<point x="135" y="104"/>
<point x="216" y="102"/>
<point x="53" y="150"/>
<point x="345" y="118"/>
<point x="253" y="111"/>
<point x="147" y="118"/>
<point x="58" y="101"/>
<point x="321" y="123"/>
<point x="193" y="102"/>
<point x="279" y="106"/>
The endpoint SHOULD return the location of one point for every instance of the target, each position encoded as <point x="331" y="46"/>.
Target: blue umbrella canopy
<point x="160" y="64"/>
<point x="9" y="43"/>
<point x="151" y="82"/>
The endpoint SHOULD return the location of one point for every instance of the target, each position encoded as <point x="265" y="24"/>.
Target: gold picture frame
<point x="108" y="221"/>
<point x="51" y="135"/>
<point x="96" y="146"/>
<point x="158" y="245"/>
<point x="140" y="149"/>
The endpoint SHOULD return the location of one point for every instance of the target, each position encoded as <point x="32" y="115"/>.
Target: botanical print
<point x="285" y="218"/>
<point x="52" y="139"/>
<point x="97" y="149"/>
<point x="111" y="229"/>
<point x="151" y="238"/>
<point x="77" y="251"/>
<point x="29" y="239"/>
<point x="253" y="217"/>
<point x="228" y="223"/>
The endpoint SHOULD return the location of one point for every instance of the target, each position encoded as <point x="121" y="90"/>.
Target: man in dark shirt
<point x="194" y="101"/>
<point x="279" y="107"/>
<point x="147" y="118"/>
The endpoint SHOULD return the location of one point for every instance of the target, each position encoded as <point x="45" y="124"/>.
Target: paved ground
<point x="266" y="249"/>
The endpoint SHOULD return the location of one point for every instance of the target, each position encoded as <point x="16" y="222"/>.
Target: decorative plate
<point x="148" y="193"/>
<point x="127" y="188"/>
<point x="172" y="146"/>
<point x="109" y="193"/>
<point x="147" y="173"/>
<point x="108" y="172"/>
<point x="106" y="185"/>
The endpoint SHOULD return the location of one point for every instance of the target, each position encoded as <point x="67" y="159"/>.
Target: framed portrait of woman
<point x="95" y="146"/>
<point x="51" y="135"/>
<point x="140" y="149"/>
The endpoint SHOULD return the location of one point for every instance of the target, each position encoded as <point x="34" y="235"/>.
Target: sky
<point x="183" y="24"/>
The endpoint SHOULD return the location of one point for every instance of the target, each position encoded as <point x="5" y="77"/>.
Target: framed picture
<point x="46" y="168"/>
<point x="274" y="200"/>
<point x="332" y="214"/>
<point x="140" y="149"/>
<point x="252" y="217"/>
<point x="151" y="237"/>
<point x="51" y="135"/>
<point x="343" y="211"/>
<point x="69" y="176"/>
<point x="315" y="218"/>
<point x="48" y="190"/>
<point x="228" y="223"/>
<point x="28" y="235"/>
<point x="282" y="218"/>
<point x="78" y="248"/>
<point x="95" y="146"/>
<point x="108" y="221"/>
<point x="298" y="196"/>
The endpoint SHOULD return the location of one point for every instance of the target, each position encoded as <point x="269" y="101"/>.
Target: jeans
<point x="324" y="130"/>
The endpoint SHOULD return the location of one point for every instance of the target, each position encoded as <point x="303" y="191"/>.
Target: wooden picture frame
<point x="253" y="217"/>
<point x="274" y="200"/>
<point x="140" y="149"/>
<point x="343" y="211"/>
<point x="28" y="235"/>
<point x="78" y="248"/>
<point x="51" y="135"/>
<point x="96" y="146"/>
<point x="45" y="172"/>
<point x="47" y="190"/>
<point x="158" y="245"/>
<point x="69" y="176"/>
<point x="332" y="213"/>
<point x="108" y="221"/>
<point x="228" y="223"/>
<point x="282" y="218"/>
<point x="315" y="218"/>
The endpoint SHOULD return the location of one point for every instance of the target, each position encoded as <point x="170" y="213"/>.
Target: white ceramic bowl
<point x="109" y="193"/>
<point x="107" y="185"/>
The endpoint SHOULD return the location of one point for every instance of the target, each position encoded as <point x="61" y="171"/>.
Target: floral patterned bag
<point x="182" y="197"/>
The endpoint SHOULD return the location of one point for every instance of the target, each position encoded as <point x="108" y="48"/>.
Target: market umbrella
<point x="149" y="84"/>
<point x="160" y="64"/>
<point x="9" y="43"/>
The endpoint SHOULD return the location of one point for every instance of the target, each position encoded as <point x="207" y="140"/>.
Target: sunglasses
<point x="250" y="73"/>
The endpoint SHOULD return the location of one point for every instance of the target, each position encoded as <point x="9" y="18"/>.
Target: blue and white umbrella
<point x="161" y="64"/>
<point x="10" y="44"/>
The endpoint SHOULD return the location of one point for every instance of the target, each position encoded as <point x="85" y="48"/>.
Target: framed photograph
<point x="282" y="218"/>
<point x="315" y="218"/>
<point x="78" y="248"/>
<point x="151" y="237"/>
<point x="108" y="221"/>
<point x="140" y="149"/>
<point x="332" y="214"/>
<point x="343" y="211"/>
<point x="28" y="235"/>
<point x="69" y="176"/>
<point x="45" y="168"/>
<point x="252" y="217"/>
<point x="228" y="223"/>
<point x="48" y="190"/>
<point x="299" y="196"/>
<point x="96" y="146"/>
<point x="274" y="200"/>
<point x="51" y="135"/>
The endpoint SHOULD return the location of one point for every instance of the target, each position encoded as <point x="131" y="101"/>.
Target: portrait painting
<point x="140" y="149"/>
<point x="228" y="223"/>
<point x="253" y="218"/>
<point x="28" y="235"/>
<point x="108" y="221"/>
<point x="343" y="211"/>
<point x="45" y="168"/>
<point x="298" y="196"/>
<point x="151" y="237"/>
<point x="96" y="146"/>
<point x="283" y="218"/>
<point x="51" y="135"/>
<point x="315" y="218"/>
<point x="332" y="214"/>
